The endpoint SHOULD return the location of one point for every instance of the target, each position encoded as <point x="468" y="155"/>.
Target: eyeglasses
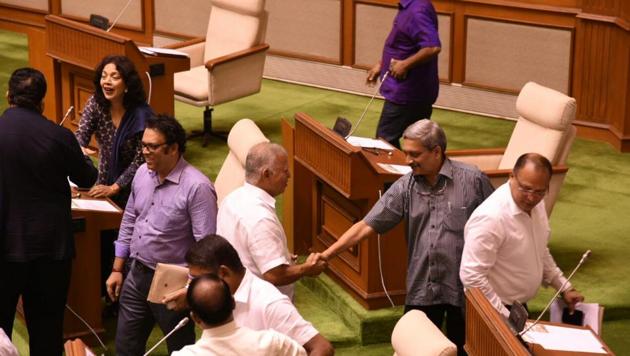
<point x="152" y="147"/>
<point x="539" y="193"/>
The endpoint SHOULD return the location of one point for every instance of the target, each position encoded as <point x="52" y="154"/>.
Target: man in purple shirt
<point x="172" y="205"/>
<point x="410" y="60"/>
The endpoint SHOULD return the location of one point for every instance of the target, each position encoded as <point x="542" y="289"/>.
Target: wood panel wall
<point x="593" y="65"/>
<point x="580" y="47"/>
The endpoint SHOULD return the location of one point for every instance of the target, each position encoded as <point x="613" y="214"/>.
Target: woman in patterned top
<point x="115" y="114"/>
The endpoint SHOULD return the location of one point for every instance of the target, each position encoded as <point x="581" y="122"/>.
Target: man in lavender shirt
<point x="410" y="60"/>
<point x="172" y="205"/>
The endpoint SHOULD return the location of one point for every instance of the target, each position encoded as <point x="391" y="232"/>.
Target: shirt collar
<point x="264" y="196"/>
<point x="404" y="3"/>
<point x="220" y="330"/>
<point x="176" y="173"/>
<point x="242" y="292"/>
<point x="446" y="169"/>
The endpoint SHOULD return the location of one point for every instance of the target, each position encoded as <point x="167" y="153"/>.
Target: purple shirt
<point x="162" y="221"/>
<point x="415" y="27"/>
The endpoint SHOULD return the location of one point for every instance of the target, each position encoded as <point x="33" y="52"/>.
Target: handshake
<point x="315" y="264"/>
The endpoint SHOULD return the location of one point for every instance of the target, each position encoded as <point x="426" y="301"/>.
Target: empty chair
<point x="228" y="64"/>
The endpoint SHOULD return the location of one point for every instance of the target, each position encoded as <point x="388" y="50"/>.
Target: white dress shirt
<point x="230" y="339"/>
<point x="259" y="306"/>
<point x="247" y="219"/>
<point x="505" y="251"/>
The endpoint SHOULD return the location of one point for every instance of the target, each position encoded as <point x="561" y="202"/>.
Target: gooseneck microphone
<point x="118" y="17"/>
<point x="177" y="327"/>
<point x="70" y="110"/>
<point x="582" y="260"/>
<point x="378" y="87"/>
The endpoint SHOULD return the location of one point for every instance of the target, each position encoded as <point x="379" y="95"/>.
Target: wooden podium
<point x="487" y="334"/>
<point x="84" y="294"/>
<point x="79" y="48"/>
<point x="334" y="185"/>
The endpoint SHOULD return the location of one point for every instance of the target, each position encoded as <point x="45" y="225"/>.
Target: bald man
<point x="248" y="220"/>
<point x="211" y="305"/>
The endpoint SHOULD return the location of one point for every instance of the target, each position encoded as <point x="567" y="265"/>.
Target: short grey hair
<point x="259" y="157"/>
<point x="429" y="133"/>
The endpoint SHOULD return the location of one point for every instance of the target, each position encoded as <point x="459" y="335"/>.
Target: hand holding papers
<point x="166" y="280"/>
<point x="593" y="314"/>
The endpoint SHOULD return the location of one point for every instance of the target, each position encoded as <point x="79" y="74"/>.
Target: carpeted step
<point x="370" y="326"/>
<point x="330" y="325"/>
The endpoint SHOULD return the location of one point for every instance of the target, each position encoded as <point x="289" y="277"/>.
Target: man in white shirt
<point x="259" y="305"/>
<point x="247" y="218"/>
<point x="505" y="250"/>
<point x="211" y="302"/>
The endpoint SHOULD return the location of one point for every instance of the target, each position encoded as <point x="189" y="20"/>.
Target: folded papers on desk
<point x="574" y="339"/>
<point x="366" y="142"/>
<point x="94" y="205"/>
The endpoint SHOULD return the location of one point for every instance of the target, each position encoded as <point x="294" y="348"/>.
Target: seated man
<point x="247" y="218"/>
<point x="211" y="308"/>
<point x="259" y="305"/>
<point x="505" y="250"/>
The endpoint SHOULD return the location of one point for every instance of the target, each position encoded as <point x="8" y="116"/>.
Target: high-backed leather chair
<point x="228" y="64"/>
<point x="243" y="135"/>
<point x="544" y="126"/>
<point x="415" y="335"/>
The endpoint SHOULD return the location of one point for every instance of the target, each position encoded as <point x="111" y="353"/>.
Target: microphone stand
<point x="177" y="327"/>
<point x="584" y="257"/>
<point x="378" y="87"/>
<point x="70" y="109"/>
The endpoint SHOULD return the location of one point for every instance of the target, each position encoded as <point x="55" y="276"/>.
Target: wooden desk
<point x="84" y="295"/>
<point x="78" y="49"/>
<point x="487" y="334"/>
<point x="334" y="185"/>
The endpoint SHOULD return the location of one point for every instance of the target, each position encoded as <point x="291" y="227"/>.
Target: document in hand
<point x="167" y="279"/>
<point x="593" y="314"/>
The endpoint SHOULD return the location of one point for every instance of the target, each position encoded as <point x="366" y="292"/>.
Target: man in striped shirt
<point x="436" y="199"/>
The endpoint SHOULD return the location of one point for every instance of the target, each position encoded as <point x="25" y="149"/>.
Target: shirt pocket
<point x="456" y="218"/>
<point x="169" y="218"/>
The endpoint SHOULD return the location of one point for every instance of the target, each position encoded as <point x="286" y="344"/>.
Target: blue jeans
<point x="395" y="118"/>
<point x="137" y="316"/>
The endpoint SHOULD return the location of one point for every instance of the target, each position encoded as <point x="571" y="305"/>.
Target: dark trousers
<point x="137" y="316"/>
<point x="395" y="118"/>
<point x="455" y="323"/>
<point x="43" y="285"/>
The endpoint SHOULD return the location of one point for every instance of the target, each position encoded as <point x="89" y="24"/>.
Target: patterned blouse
<point x="97" y="120"/>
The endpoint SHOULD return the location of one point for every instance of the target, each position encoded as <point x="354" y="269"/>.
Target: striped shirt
<point x="435" y="228"/>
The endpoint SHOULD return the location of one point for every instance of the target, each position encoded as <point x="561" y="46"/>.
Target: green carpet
<point x="591" y="212"/>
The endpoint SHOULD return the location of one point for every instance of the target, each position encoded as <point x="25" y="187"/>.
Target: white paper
<point x="96" y="205"/>
<point x="395" y="168"/>
<point x="590" y="310"/>
<point x="553" y="337"/>
<point x="369" y="143"/>
<point x="157" y="50"/>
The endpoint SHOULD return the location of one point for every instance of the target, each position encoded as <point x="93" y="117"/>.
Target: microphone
<point x="582" y="260"/>
<point x="177" y="327"/>
<point x="118" y="17"/>
<point x="70" y="109"/>
<point x="378" y="87"/>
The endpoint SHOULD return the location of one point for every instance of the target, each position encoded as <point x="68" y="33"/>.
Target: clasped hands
<point x="315" y="264"/>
